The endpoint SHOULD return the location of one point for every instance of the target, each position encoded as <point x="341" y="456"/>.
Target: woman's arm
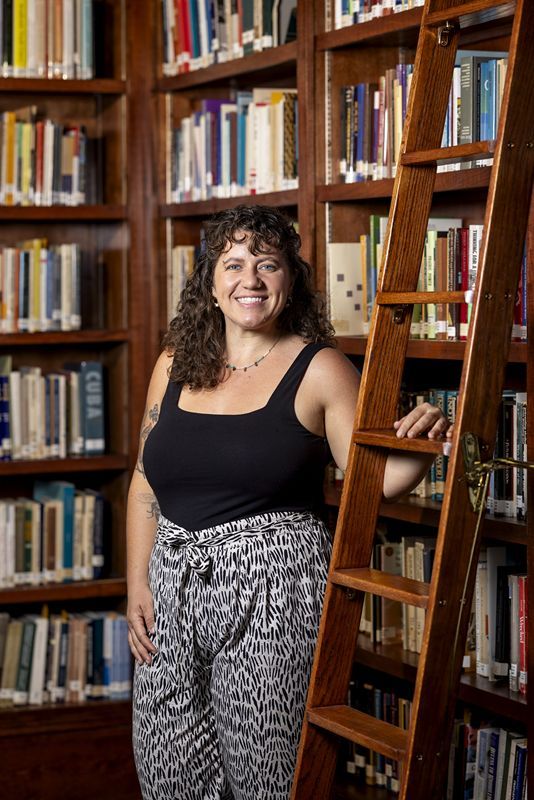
<point x="141" y="523"/>
<point x="338" y="387"/>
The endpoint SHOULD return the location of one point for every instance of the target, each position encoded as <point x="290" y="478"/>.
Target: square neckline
<point x="272" y="396"/>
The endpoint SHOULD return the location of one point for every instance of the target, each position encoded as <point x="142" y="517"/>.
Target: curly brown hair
<point x="196" y="335"/>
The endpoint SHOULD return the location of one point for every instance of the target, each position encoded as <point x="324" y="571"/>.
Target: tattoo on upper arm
<point x="149" y="421"/>
<point x="153" y="510"/>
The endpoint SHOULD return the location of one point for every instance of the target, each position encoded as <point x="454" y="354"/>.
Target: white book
<point x="77" y="543"/>
<point x="68" y="39"/>
<point x="38" y="669"/>
<point x="88" y="527"/>
<point x="345" y="287"/>
<point x="481" y="612"/>
<point x="66" y="286"/>
<point x="3" y="544"/>
<point x="482" y="763"/>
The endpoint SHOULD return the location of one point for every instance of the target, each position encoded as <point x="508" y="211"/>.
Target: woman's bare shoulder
<point x="331" y="374"/>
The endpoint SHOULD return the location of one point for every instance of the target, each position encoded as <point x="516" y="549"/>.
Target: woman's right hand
<point x="140" y="616"/>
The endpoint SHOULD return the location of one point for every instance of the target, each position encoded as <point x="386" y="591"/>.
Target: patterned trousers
<point x="217" y="715"/>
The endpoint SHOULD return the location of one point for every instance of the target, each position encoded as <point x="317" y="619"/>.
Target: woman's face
<point x="251" y="290"/>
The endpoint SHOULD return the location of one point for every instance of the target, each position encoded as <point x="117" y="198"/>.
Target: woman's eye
<point x="269" y="267"/>
<point x="232" y="266"/>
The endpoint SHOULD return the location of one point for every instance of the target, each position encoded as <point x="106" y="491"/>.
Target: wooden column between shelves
<point x="306" y="127"/>
<point x="143" y="284"/>
<point x="530" y="478"/>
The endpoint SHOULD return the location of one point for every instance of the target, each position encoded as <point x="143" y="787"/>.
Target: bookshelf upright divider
<point x="84" y="749"/>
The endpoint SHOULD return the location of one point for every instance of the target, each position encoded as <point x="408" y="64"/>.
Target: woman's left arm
<point x="339" y="385"/>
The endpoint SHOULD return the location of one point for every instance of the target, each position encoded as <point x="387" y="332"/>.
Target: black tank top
<point x="207" y="469"/>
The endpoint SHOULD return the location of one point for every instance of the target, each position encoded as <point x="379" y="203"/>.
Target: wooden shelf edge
<point x="64" y="337"/>
<point x="206" y="207"/>
<point x="65" y="465"/>
<point x="427" y="348"/>
<point x="60" y="86"/>
<point x="256" y="62"/>
<point x="57" y="213"/>
<point x="77" y="590"/>
<point x="473" y="689"/>
<point x="384" y="28"/>
<point x="426" y="512"/>
<point x="61" y="717"/>
<point x="454" y="181"/>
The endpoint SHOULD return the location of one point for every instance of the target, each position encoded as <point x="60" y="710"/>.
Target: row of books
<point x="373" y="116"/>
<point x="496" y="645"/>
<point x="198" y="33"/>
<point x="44" y="162"/>
<point x="486" y="761"/>
<point x="449" y="263"/>
<point x="40" y="287"/>
<point x="372" y="119"/>
<point x="66" y="658"/>
<point x="507" y="493"/>
<point x="55" y="415"/>
<point x="228" y="149"/>
<point x="181" y="263"/>
<point x="47" y="38"/>
<point x="57" y="536"/>
<point x="349" y="12"/>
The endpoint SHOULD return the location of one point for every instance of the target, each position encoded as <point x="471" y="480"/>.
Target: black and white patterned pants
<point x="217" y="715"/>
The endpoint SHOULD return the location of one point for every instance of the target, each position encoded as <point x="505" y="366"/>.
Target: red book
<point x="523" y="622"/>
<point x="185" y="22"/>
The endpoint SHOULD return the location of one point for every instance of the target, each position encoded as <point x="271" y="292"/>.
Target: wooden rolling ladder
<point x="422" y="751"/>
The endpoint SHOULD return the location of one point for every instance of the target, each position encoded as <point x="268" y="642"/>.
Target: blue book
<point x="63" y="491"/>
<point x="493" y="755"/>
<point x="91" y="405"/>
<point x="195" y="30"/>
<point x="519" y="772"/>
<point x="243" y="100"/>
<point x="358" y="130"/>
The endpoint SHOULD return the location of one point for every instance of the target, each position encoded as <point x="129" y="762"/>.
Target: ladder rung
<point x="436" y="18"/>
<point x="449" y="155"/>
<point x="409" y="298"/>
<point x="386" y="437"/>
<point x="360" y="728"/>
<point x="383" y="584"/>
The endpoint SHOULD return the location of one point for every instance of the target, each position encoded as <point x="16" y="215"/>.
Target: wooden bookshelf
<point x="83" y="750"/>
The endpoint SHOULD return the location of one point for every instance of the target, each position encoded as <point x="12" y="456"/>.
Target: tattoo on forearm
<point x="149" y="421"/>
<point x="153" y="511"/>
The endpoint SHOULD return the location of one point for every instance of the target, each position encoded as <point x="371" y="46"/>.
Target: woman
<point x="227" y="560"/>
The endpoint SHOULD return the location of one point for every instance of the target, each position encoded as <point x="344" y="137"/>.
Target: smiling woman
<point x="246" y="405"/>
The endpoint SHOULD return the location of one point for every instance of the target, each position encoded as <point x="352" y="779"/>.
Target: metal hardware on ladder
<point x="445" y="33"/>
<point x="399" y="313"/>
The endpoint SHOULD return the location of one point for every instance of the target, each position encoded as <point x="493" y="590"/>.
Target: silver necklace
<point x="233" y="367"/>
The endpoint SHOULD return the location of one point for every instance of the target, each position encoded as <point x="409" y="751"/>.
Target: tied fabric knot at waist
<point x="195" y="542"/>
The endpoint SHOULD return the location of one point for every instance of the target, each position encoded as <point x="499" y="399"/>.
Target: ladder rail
<point x="455" y="560"/>
<point x="489" y="338"/>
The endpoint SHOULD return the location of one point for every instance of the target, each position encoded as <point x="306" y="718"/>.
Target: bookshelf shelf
<point x="393" y="29"/>
<point x="60" y="86"/>
<point x="454" y="181"/>
<point x="61" y="338"/>
<point x="63" y="717"/>
<point x="422" y="511"/>
<point x="395" y="661"/>
<point x="206" y="207"/>
<point x="61" y="466"/>
<point x="250" y="66"/>
<point x="78" y="590"/>
<point x="93" y="213"/>
<point x="425" y="348"/>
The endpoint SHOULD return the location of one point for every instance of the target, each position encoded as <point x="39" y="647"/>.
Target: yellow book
<point x="20" y="36"/>
<point x="9" y="170"/>
<point x="26" y="176"/>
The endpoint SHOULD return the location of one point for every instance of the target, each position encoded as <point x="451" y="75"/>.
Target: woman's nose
<point x="252" y="278"/>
